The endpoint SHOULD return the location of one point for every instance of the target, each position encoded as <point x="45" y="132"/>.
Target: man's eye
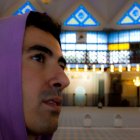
<point x="39" y="57"/>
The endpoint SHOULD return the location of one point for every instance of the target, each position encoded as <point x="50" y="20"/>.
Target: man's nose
<point x="59" y="80"/>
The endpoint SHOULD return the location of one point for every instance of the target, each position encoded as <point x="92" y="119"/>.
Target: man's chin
<point x="49" y="130"/>
<point x="53" y="124"/>
<point x="52" y="130"/>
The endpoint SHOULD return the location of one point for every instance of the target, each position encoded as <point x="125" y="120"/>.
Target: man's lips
<point x="53" y="103"/>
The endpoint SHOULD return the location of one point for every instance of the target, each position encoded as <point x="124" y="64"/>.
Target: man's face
<point x="43" y="79"/>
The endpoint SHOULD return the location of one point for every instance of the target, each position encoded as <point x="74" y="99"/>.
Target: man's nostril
<point x="57" y="85"/>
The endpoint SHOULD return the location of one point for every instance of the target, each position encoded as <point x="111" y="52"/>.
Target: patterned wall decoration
<point x="25" y="8"/>
<point x="81" y="17"/>
<point x="132" y="16"/>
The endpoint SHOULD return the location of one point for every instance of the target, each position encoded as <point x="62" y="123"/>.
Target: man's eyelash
<point x="62" y="66"/>
<point x="39" y="57"/>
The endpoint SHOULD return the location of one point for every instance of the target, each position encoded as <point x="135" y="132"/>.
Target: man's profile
<point x="31" y="77"/>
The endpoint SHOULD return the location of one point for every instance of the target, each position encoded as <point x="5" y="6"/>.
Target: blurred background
<point x="101" y="43"/>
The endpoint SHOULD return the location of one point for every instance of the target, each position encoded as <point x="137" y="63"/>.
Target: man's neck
<point x="31" y="137"/>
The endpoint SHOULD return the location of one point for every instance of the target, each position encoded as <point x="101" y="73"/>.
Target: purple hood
<point x="12" y="125"/>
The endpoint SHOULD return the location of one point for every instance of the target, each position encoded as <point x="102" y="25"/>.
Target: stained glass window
<point x="132" y="16"/>
<point x="97" y="37"/>
<point x="70" y="56"/>
<point x="97" y="57"/>
<point x="71" y="37"/>
<point x="134" y="36"/>
<point x="25" y="8"/>
<point x="63" y="38"/>
<point x="80" y="56"/>
<point x="70" y="46"/>
<point x="102" y="37"/>
<point x="92" y="56"/>
<point x="124" y="36"/>
<point x="117" y="47"/>
<point x="123" y="46"/>
<point x="92" y="47"/>
<point x="81" y="47"/>
<point x="119" y="57"/>
<point x="102" y="47"/>
<point x="81" y="17"/>
<point x="63" y="46"/>
<point x="113" y="37"/>
<point x="102" y="57"/>
<point x="68" y="37"/>
<point x="92" y="37"/>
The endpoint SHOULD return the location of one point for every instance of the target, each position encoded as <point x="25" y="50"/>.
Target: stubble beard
<point x="46" y="127"/>
<point x="52" y="124"/>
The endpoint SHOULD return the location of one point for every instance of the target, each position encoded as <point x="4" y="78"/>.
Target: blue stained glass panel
<point x="113" y="37"/>
<point x="102" y="47"/>
<point x="92" y="37"/>
<point x="92" y="47"/>
<point x="63" y="46"/>
<point x="71" y="37"/>
<point x="132" y="16"/>
<point x="123" y="36"/>
<point x="81" y="47"/>
<point x="97" y="37"/>
<point x="70" y="47"/>
<point x="134" y="36"/>
<point x="63" y="38"/>
<point x="102" y="37"/>
<point x="81" y="17"/>
<point x="25" y="8"/>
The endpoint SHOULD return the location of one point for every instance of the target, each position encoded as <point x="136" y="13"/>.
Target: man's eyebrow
<point x="62" y="60"/>
<point x="48" y="51"/>
<point x="40" y="48"/>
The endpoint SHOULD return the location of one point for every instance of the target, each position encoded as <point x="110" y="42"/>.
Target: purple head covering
<point x="12" y="125"/>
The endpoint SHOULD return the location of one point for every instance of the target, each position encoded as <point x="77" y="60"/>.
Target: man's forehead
<point x="35" y="36"/>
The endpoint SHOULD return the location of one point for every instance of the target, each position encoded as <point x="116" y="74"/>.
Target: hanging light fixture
<point x="137" y="84"/>
<point x="102" y="68"/>
<point x="136" y="81"/>
<point x="85" y="68"/>
<point x="111" y="68"/>
<point x="68" y="68"/>
<point x="120" y="68"/>
<point x="137" y="67"/>
<point x="93" y="68"/>
<point x="77" y="68"/>
<point x="46" y="1"/>
<point x="128" y="67"/>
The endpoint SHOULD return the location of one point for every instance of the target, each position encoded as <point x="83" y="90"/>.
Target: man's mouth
<point x="53" y="103"/>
